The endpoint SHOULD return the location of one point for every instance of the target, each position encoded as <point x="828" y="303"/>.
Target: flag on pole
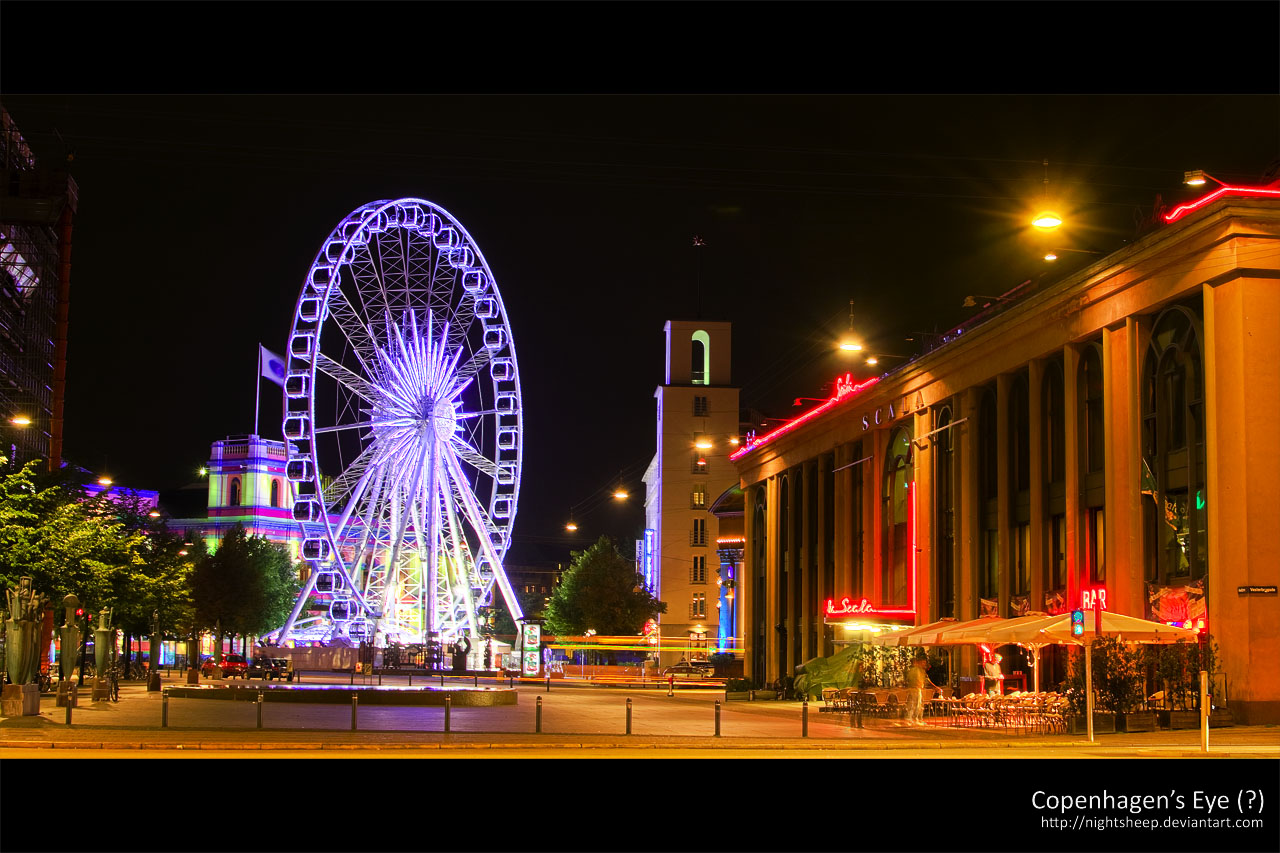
<point x="270" y="365"/>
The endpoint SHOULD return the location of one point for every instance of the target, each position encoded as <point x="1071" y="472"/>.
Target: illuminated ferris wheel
<point x="403" y="422"/>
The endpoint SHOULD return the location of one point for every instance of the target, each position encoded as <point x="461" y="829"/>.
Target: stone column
<point x="1073" y="464"/>
<point x="772" y="579"/>
<point x="746" y="581"/>
<point x="1004" y="495"/>
<point x="824" y="496"/>
<point x="923" y="461"/>
<point x="1242" y="409"/>
<point x="1039" y="567"/>
<point x="808" y="561"/>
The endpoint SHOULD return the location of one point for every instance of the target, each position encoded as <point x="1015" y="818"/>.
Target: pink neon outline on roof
<point x="1183" y="209"/>
<point x="795" y="422"/>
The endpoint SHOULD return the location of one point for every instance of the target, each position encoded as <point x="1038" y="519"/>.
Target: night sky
<point x="199" y="215"/>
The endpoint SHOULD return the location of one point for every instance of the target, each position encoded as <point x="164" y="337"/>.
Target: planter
<point x="741" y="696"/>
<point x="1103" y="723"/>
<point x="1136" y="722"/>
<point x="766" y="694"/>
<point x="1183" y="719"/>
<point x="1220" y="718"/>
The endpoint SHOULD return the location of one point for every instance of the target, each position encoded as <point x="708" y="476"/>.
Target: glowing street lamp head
<point x="571" y="527"/>
<point x="1046" y="219"/>
<point x="703" y="444"/>
<point x="20" y="420"/>
<point x="1050" y="256"/>
<point x="873" y="360"/>
<point x="105" y="481"/>
<point x="1194" y="178"/>
<point x="849" y="346"/>
<point x="620" y="495"/>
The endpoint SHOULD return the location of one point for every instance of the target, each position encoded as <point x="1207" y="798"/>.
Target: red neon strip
<point x="795" y="422"/>
<point x="1182" y="210"/>
<point x="911" y="491"/>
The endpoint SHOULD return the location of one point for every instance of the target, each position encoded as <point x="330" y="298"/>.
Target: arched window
<point x="897" y="518"/>
<point x="944" y="513"/>
<point x="275" y="493"/>
<point x="233" y="492"/>
<point x="700" y="368"/>
<point x="1175" y="497"/>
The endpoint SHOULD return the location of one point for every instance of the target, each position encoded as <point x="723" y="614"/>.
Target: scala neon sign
<point x="847" y="607"/>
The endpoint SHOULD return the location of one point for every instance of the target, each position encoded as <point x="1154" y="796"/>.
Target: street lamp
<point x="1052" y="254"/>
<point x="1197" y="178"/>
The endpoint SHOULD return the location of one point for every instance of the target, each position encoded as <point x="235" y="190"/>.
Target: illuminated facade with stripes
<point x="1106" y="438"/>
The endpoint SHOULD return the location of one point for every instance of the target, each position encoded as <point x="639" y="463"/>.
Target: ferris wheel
<point x="403" y="426"/>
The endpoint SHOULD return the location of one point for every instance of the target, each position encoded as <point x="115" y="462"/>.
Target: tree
<point x="247" y="586"/>
<point x="603" y="592"/>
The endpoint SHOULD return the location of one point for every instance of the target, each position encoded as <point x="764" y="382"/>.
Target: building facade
<point x="37" y="213"/>
<point x="1100" y="441"/>
<point x="697" y="429"/>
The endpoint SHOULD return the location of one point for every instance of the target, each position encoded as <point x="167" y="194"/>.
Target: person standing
<point x="991" y="672"/>
<point x="917" y="679"/>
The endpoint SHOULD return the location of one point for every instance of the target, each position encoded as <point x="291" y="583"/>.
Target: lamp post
<point x="84" y="646"/>
<point x="153" y="673"/>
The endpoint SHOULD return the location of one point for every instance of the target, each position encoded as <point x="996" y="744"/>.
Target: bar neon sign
<point x="1094" y="599"/>
<point x="845" y="387"/>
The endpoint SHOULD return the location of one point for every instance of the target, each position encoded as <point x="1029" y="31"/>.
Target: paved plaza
<point x="574" y="716"/>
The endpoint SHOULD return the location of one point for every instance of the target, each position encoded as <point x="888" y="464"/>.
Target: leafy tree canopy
<point x="247" y="586"/>
<point x="601" y="591"/>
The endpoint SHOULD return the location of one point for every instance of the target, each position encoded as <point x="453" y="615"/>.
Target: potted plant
<point x="1104" y="718"/>
<point x="1126" y="689"/>
<point x="738" y="688"/>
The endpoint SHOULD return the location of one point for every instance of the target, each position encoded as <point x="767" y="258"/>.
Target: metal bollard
<point x="628" y="715"/>
<point x="537" y="718"/>
<point x="355" y="704"/>
<point x="164" y="711"/>
<point x="353" y="675"/>
<point x="411" y="679"/>
<point x="804" y="718"/>
<point x="475" y="679"/>
<point x="717" y="718"/>
<point x="442" y="679"/>
<point x="671" y="685"/>
<point x="68" y="710"/>
<point x="259" y="708"/>
<point x="548" y="683"/>
<point x="448" y="705"/>
<point x="379" y="678"/>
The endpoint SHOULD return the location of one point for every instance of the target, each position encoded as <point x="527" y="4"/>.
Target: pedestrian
<point x="488" y="655"/>
<point x="992" y="674"/>
<point x="917" y="679"/>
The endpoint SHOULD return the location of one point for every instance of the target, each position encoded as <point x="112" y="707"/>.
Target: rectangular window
<point x="699" y="464"/>
<point x="1058" y="567"/>
<point x="698" y="574"/>
<point x="989" y="581"/>
<point x="700" y="408"/>
<point x="1097" y="545"/>
<point x="698" y="536"/>
<point x="1022" y="571"/>
<point x="698" y="609"/>
<point x="698" y="500"/>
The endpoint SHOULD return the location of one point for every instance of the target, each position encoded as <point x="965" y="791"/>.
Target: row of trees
<point x="111" y="552"/>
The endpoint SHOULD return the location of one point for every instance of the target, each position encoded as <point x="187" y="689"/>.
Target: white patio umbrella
<point x="1035" y="634"/>
<point x="971" y="633"/>
<point x="912" y="636"/>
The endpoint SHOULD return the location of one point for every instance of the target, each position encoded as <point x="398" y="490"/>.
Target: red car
<point x="232" y="666"/>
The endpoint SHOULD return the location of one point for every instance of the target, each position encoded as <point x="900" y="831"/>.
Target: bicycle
<point x="113" y="686"/>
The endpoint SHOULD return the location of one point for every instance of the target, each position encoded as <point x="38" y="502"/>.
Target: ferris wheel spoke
<point x="354" y="329"/>
<point x="480" y="522"/>
<point x="347" y="378"/>
<point x="473" y="458"/>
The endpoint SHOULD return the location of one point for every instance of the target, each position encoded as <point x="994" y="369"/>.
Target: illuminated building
<point x="37" y="212"/>
<point x="1102" y="439"/>
<point x="697" y="419"/>
<point x="246" y="485"/>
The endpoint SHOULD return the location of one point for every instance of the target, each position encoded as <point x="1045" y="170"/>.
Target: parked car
<point x="232" y="666"/>
<point x="269" y="669"/>
<point x="691" y="669"/>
